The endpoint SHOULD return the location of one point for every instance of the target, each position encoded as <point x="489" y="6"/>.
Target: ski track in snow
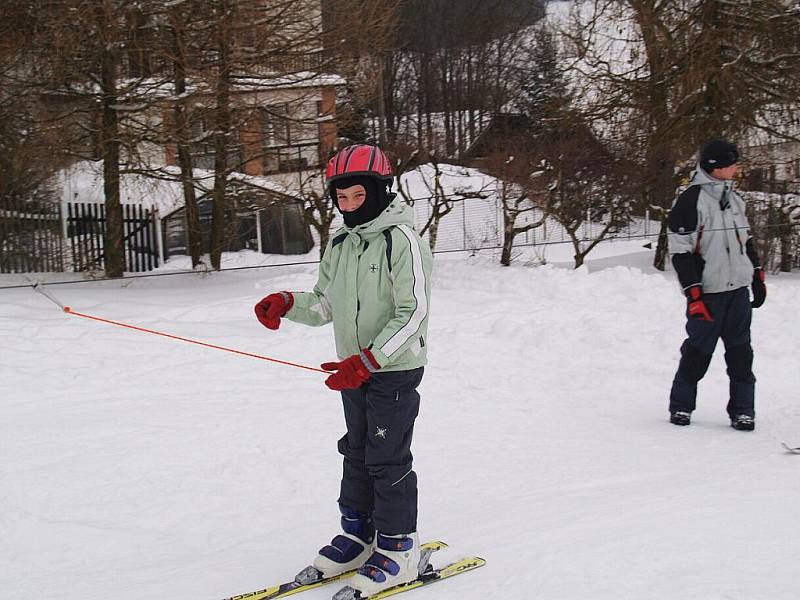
<point x="137" y="467"/>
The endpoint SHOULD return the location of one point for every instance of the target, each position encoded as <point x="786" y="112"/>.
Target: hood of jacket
<point x="396" y="213"/>
<point x="711" y="184"/>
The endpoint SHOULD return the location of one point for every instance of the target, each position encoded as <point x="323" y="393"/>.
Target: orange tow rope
<point x="39" y="287"/>
<point x="68" y="310"/>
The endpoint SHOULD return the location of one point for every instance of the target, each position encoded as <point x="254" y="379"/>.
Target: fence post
<point x="497" y="210"/>
<point x="464" y="223"/>
<point x="258" y="230"/>
<point x="62" y="214"/>
<point x="158" y="236"/>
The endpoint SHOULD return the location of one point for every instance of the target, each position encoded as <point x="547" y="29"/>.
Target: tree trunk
<point x="194" y="237"/>
<point x="470" y="102"/>
<point x="324" y="232"/>
<point x="447" y="116"/>
<point x="388" y="69"/>
<point x="381" y="102"/>
<point x="114" y="255"/>
<point x="786" y="243"/>
<point x="662" y="248"/>
<point x="661" y="193"/>
<point x="222" y="125"/>
<point x="433" y="232"/>
<point x="426" y="74"/>
<point x="420" y="101"/>
<point x="508" y="239"/>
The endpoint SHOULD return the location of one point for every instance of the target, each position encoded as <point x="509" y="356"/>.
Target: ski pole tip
<point x="67" y="309"/>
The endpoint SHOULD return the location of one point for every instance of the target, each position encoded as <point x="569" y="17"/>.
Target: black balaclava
<point x="378" y="198"/>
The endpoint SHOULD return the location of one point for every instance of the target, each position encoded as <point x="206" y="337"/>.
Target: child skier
<point x="716" y="260"/>
<point x="374" y="285"/>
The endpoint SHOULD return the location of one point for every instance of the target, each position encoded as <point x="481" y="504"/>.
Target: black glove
<point x="759" y="287"/>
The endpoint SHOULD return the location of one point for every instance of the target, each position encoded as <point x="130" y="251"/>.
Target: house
<point x="280" y="106"/>
<point x="773" y="167"/>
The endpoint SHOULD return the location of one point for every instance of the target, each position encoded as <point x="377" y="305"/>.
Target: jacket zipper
<point x="727" y="244"/>
<point x="358" y="300"/>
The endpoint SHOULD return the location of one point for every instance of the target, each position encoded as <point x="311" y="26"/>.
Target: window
<point x="202" y="144"/>
<point x="290" y="136"/>
<point x="275" y="126"/>
<point x="201" y="125"/>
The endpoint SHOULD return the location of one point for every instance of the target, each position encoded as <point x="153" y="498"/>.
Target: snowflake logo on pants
<point x="380" y="432"/>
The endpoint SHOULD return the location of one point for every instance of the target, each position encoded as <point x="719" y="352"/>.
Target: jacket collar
<point x="701" y="177"/>
<point x="397" y="213"/>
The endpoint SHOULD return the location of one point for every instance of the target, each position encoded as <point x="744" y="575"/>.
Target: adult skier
<point x="374" y="285"/>
<point x="715" y="259"/>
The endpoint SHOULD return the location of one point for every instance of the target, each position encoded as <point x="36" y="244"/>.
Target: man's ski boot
<point x="743" y="422"/>
<point x="396" y="560"/>
<point x="680" y="417"/>
<point x="346" y="551"/>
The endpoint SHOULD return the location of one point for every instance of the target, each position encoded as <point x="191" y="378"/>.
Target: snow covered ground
<point x="136" y="467"/>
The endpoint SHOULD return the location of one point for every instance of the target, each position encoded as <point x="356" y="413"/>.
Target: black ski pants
<point x="377" y="475"/>
<point x="732" y="315"/>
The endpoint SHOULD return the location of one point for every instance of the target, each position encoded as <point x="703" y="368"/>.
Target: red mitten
<point x="352" y="372"/>
<point x="270" y="309"/>
<point x="697" y="308"/>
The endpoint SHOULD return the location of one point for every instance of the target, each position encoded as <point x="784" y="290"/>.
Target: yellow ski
<point x="293" y="587"/>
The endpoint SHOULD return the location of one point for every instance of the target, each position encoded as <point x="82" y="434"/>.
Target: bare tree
<point x="774" y="223"/>
<point x="79" y="68"/>
<point x="590" y="185"/>
<point x="25" y="166"/>
<point x="678" y="73"/>
<point x="443" y="194"/>
<point x="318" y="209"/>
<point x="179" y="23"/>
<point x="437" y="77"/>
<point x="520" y="193"/>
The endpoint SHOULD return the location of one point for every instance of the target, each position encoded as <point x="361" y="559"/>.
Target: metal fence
<point x="477" y="223"/>
<point x="32" y="240"/>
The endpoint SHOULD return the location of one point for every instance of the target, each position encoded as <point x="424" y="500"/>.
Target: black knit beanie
<point x="718" y="154"/>
<point x="378" y="198"/>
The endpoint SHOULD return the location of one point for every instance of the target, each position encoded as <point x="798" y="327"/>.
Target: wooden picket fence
<point x="86" y="228"/>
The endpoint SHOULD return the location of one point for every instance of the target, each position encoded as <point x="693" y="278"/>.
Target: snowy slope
<point x="135" y="467"/>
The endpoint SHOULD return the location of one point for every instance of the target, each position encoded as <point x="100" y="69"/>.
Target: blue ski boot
<point x="346" y="551"/>
<point x="396" y="560"/>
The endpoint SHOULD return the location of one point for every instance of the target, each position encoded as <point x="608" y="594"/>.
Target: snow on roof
<point x="83" y="182"/>
<point x="454" y="180"/>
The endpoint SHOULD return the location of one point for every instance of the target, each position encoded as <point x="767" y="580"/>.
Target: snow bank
<point x="136" y="466"/>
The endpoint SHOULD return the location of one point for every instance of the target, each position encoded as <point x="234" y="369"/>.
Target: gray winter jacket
<point x="709" y="236"/>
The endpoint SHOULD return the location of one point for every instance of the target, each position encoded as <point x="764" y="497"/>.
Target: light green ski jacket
<point x="374" y="284"/>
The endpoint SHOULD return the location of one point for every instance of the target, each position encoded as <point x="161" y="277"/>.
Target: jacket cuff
<point x="289" y="299"/>
<point x="693" y="292"/>
<point x="369" y="360"/>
